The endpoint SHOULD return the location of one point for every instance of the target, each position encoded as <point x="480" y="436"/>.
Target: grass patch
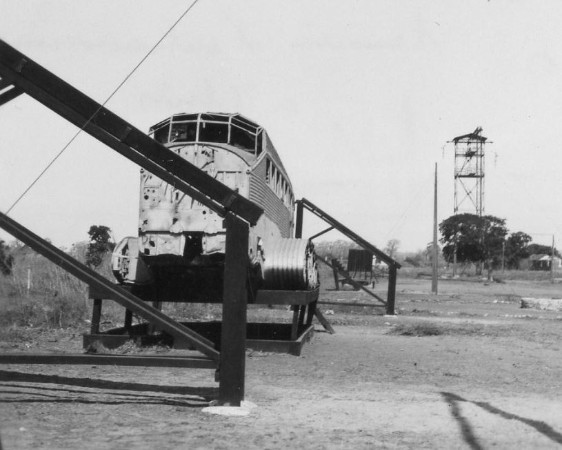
<point x="417" y="329"/>
<point x="40" y="294"/>
<point x="424" y="312"/>
<point x="427" y="328"/>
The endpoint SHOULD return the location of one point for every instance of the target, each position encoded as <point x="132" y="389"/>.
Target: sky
<point x="360" y="98"/>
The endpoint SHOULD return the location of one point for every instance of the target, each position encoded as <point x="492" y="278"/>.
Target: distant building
<point x="542" y="262"/>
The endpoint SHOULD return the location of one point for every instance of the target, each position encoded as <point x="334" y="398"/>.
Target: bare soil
<point x="464" y="369"/>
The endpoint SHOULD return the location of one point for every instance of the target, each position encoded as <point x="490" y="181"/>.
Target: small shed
<point x="543" y="262"/>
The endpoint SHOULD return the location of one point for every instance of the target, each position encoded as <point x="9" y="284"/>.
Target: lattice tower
<point x="469" y="172"/>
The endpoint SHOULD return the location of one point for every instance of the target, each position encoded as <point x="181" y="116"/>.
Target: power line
<point x="144" y="58"/>
<point x="400" y="221"/>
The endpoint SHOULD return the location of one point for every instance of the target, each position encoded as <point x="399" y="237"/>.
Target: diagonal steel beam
<point x="121" y="296"/>
<point x="4" y="84"/>
<point x="350" y="280"/>
<point x="79" y="109"/>
<point x="10" y="94"/>
<point x="347" y="232"/>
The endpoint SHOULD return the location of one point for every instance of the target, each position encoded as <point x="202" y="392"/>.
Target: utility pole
<point x="552" y="261"/>
<point x="455" y="253"/>
<point x="503" y="256"/>
<point x="435" y="251"/>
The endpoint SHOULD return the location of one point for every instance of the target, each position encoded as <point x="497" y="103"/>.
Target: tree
<point x="516" y="249"/>
<point x="539" y="249"/>
<point x="100" y="244"/>
<point x="6" y="260"/>
<point x="476" y="239"/>
<point x="392" y="248"/>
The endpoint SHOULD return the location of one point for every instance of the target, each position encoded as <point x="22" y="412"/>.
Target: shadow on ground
<point x="64" y="392"/>
<point x="468" y="433"/>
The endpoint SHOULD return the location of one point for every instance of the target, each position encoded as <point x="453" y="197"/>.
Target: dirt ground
<point x="480" y="373"/>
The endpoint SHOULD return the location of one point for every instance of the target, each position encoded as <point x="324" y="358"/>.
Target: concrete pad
<point x="240" y="411"/>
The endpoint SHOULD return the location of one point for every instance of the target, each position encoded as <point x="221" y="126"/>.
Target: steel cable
<point x="59" y="154"/>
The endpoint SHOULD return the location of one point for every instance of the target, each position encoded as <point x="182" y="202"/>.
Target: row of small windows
<point x="220" y="129"/>
<point x="276" y="181"/>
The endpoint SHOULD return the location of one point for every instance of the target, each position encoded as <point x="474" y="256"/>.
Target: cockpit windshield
<point x="232" y="129"/>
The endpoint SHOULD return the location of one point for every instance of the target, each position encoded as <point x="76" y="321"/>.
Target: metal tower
<point x="469" y="172"/>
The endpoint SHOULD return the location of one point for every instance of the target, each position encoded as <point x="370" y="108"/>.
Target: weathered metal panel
<point x="261" y="194"/>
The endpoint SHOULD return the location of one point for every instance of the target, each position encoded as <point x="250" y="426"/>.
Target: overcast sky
<point x="359" y="98"/>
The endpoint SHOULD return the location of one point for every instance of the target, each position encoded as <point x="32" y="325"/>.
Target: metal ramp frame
<point x="20" y="74"/>
<point x="393" y="265"/>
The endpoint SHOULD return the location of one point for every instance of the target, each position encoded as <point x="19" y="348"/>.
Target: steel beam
<point x="267" y="297"/>
<point x="347" y="232"/>
<point x="367" y="305"/>
<point x="111" y="360"/>
<point x="321" y="233"/>
<point x="350" y="280"/>
<point x="391" y="296"/>
<point x="298" y="221"/>
<point x="9" y="95"/>
<point x="121" y="296"/>
<point x="107" y="127"/>
<point x="4" y="84"/>
<point x="234" y="309"/>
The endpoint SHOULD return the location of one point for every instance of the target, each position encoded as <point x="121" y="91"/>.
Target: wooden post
<point x="391" y="296"/>
<point x="233" y="331"/>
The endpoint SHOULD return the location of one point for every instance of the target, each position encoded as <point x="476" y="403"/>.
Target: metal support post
<point x="391" y="296"/>
<point x="233" y="333"/>
<point x="128" y="322"/>
<point x="96" y="316"/>
<point x="298" y="225"/>
<point x="336" y="274"/>
<point x="295" y="323"/>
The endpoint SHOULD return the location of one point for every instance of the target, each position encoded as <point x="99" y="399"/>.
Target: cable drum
<point x="290" y="264"/>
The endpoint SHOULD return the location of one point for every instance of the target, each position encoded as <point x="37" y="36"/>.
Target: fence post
<point x="233" y="332"/>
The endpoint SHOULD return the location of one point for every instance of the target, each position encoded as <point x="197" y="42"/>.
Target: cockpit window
<point x="182" y="117"/>
<point x="185" y="132"/>
<point x="220" y="128"/>
<point x="213" y="132"/>
<point x="215" y="117"/>
<point x="161" y="134"/>
<point x="259" y="143"/>
<point x="242" y="138"/>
